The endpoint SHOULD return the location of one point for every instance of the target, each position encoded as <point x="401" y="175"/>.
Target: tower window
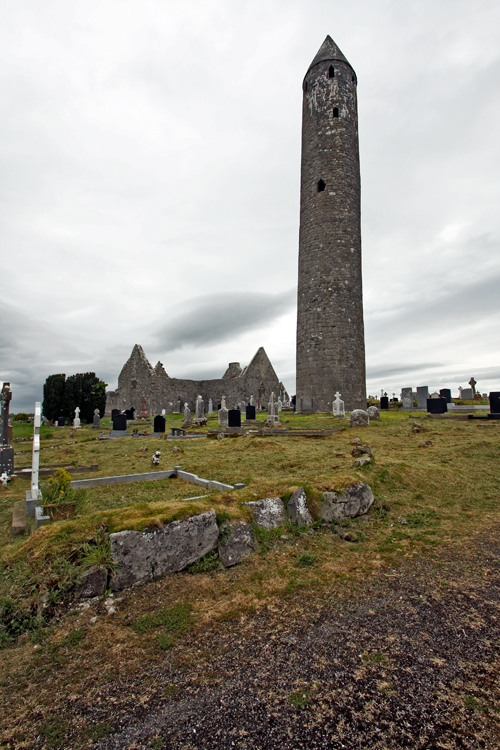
<point x="335" y="111"/>
<point x="305" y="85"/>
<point x="331" y="72"/>
<point x="321" y="186"/>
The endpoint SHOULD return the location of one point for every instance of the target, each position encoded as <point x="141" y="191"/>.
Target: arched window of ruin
<point x="331" y="72"/>
<point x="335" y="111"/>
<point x="321" y="186"/>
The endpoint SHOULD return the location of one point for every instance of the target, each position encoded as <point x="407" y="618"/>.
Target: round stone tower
<point x="330" y="330"/>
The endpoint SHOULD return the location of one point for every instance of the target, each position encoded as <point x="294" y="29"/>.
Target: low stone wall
<point x="141" y="556"/>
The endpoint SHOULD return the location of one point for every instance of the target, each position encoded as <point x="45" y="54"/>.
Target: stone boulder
<point x="362" y="450"/>
<point x="93" y="583"/>
<point x="236" y="542"/>
<point x="145" y="555"/>
<point x="359" y="418"/>
<point x="373" y="412"/>
<point x="355" y="501"/>
<point x="362" y="461"/>
<point x="268" y="513"/>
<point x="297" y="509"/>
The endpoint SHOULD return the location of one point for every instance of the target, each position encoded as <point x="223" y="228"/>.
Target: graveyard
<point x="84" y="668"/>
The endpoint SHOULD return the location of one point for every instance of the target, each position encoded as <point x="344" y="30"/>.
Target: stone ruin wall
<point x="139" y="378"/>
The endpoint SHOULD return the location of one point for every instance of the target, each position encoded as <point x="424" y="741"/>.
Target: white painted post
<point x="34" y="496"/>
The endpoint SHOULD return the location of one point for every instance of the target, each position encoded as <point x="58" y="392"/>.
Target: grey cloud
<point x="216" y="318"/>
<point x="387" y="371"/>
<point x="467" y="304"/>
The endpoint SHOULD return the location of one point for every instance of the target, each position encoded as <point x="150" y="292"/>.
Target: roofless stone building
<point x="138" y="378"/>
<point x="330" y="330"/>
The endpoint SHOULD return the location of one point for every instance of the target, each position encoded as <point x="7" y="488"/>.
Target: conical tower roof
<point x="329" y="51"/>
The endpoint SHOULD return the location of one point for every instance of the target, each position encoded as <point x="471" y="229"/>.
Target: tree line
<point x="61" y="396"/>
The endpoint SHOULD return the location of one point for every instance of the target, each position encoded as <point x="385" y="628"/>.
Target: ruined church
<point x="139" y="378"/>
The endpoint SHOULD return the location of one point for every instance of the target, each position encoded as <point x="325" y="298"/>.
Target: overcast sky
<point x="150" y="173"/>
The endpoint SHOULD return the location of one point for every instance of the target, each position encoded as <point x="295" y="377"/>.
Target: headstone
<point x="467" y="394"/>
<point x="422" y="396"/>
<point x="437" y="405"/>
<point x="406" y="399"/>
<point x="494" y="402"/>
<point x="6" y="451"/>
<point x="159" y="424"/>
<point x="272" y="415"/>
<point x="252" y="403"/>
<point x="210" y="406"/>
<point x="114" y="413"/>
<point x="338" y="406"/>
<point x="120" y="422"/>
<point x="279" y="405"/>
<point x="199" y="409"/>
<point x="250" y="412"/>
<point x="76" y="421"/>
<point x="223" y="413"/>
<point x="446" y="393"/>
<point x="187" y="413"/>
<point x="96" y="419"/>
<point x="473" y="383"/>
<point x="143" y="413"/>
<point x="306" y="404"/>
<point x="178" y="406"/>
<point x="234" y="418"/>
<point x="60" y="421"/>
<point x="163" y="412"/>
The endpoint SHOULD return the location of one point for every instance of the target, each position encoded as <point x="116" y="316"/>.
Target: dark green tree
<point x="62" y="395"/>
<point x="53" y="396"/>
<point x="86" y="391"/>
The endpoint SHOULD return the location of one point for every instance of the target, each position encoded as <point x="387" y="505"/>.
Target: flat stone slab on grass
<point x="268" y="513"/>
<point x="82" y="484"/>
<point x="236" y="543"/>
<point x="355" y="501"/>
<point x="145" y="555"/>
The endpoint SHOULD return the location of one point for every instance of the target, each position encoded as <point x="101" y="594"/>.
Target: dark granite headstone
<point x="159" y="424"/>
<point x="119" y="422"/>
<point x="250" y="412"/>
<point x="114" y="413"/>
<point x="6" y="451"/>
<point x="129" y="413"/>
<point x="234" y="418"/>
<point x="60" y="421"/>
<point x="384" y="402"/>
<point x="437" y="405"/>
<point x="495" y="402"/>
<point x="446" y="393"/>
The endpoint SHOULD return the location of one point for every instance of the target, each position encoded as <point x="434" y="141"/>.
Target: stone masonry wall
<point x="330" y="330"/>
<point x="139" y="378"/>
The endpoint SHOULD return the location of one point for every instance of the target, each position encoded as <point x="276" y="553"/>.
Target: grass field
<point x="426" y="499"/>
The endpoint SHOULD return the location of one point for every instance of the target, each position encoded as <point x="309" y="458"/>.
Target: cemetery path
<point x="411" y="660"/>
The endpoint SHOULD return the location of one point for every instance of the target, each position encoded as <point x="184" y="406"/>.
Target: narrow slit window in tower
<point x="321" y="186"/>
<point x="305" y="85"/>
<point x="335" y="111"/>
<point x="331" y="72"/>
